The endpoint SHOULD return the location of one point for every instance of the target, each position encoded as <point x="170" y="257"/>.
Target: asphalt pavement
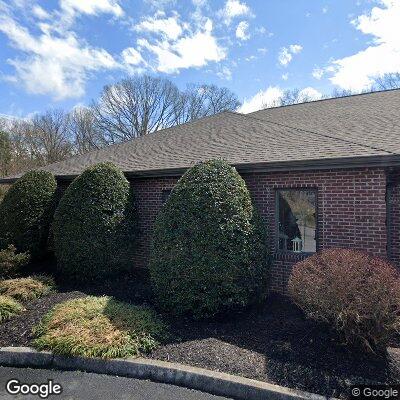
<point x="88" y="386"/>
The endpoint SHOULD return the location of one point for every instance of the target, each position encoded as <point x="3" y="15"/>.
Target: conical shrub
<point x="26" y="213"/>
<point x="209" y="246"/>
<point x="94" y="224"/>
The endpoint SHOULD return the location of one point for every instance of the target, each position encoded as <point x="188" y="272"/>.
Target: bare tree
<point x="289" y="97"/>
<point x="5" y="153"/>
<point x="23" y="157"/>
<point x="84" y="131"/>
<point x="336" y="93"/>
<point x="135" y="107"/>
<point x="295" y="96"/>
<point x="199" y="101"/>
<point x="128" y="109"/>
<point x="388" y="81"/>
<point x="47" y="136"/>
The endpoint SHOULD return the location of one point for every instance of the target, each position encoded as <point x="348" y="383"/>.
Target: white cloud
<point x="169" y="27"/>
<point x="324" y="10"/>
<point x="194" y="50"/>
<point x="199" y="3"/>
<point x="285" y="55"/>
<point x="318" y="73"/>
<point x="40" y="12"/>
<point x="270" y="96"/>
<point x="160" y="4"/>
<point x="131" y="56"/>
<point x="242" y="31"/>
<point x="91" y="7"/>
<point x="358" y="71"/>
<point x="225" y="73"/>
<point x="310" y="94"/>
<point x="53" y="65"/>
<point x="285" y="77"/>
<point x="295" y="48"/>
<point x="234" y="9"/>
<point x="262" y="50"/>
<point x="261" y="30"/>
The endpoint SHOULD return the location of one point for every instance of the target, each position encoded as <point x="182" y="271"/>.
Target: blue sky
<point x="60" y="53"/>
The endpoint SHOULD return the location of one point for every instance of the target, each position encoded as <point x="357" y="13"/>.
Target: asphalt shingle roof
<point x="371" y="119"/>
<point x="360" y="126"/>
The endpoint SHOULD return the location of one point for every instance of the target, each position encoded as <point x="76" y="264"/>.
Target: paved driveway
<point x="86" y="386"/>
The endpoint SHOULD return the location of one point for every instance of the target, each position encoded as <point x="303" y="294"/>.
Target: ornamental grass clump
<point x="94" y="225"/>
<point x="12" y="263"/>
<point x="26" y="213"/>
<point x="9" y="308"/>
<point x="208" y="252"/>
<point x="99" y="327"/>
<point x="26" y="289"/>
<point x="357" y="294"/>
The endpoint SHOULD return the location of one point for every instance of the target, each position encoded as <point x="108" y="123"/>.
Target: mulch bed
<point x="273" y="343"/>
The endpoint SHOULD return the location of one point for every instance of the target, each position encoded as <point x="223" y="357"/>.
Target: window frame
<point x="276" y="196"/>
<point x="163" y="193"/>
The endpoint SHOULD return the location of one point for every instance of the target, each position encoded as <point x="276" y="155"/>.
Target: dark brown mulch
<point x="18" y="330"/>
<point x="273" y="343"/>
<point x="277" y="344"/>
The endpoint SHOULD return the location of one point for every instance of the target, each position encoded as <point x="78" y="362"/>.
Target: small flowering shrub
<point x="11" y="262"/>
<point x="354" y="292"/>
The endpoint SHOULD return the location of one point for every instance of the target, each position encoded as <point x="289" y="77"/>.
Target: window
<point x="297" y="220"/>
<point x="165" y="194"/>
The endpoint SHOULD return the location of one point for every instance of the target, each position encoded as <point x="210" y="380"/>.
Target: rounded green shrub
<point x="94" y="224"/>
<point x="208" y="252"/>
<point x="26" y="213"/>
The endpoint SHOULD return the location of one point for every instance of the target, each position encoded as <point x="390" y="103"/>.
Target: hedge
<point x="208" y="251"/>
<point x="94" y="224"/>
<point x="26" y="212"/>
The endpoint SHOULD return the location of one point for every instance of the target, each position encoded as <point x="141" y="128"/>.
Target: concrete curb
<point x="216" y="383"/>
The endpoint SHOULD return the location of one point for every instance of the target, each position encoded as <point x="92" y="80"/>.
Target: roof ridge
<point x="326" y="99"/>
<point x="319" y="134"/>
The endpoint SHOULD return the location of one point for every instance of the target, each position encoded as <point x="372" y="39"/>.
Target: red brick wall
<point x="351" y="211"/>
<point x="393" y="201"/>
<point x="148" y="196"/>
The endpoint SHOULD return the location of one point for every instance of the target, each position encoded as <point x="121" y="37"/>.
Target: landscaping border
<point x="216" y="383"/>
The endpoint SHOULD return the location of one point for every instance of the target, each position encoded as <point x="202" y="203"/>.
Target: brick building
<point x="323" y="174"/>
